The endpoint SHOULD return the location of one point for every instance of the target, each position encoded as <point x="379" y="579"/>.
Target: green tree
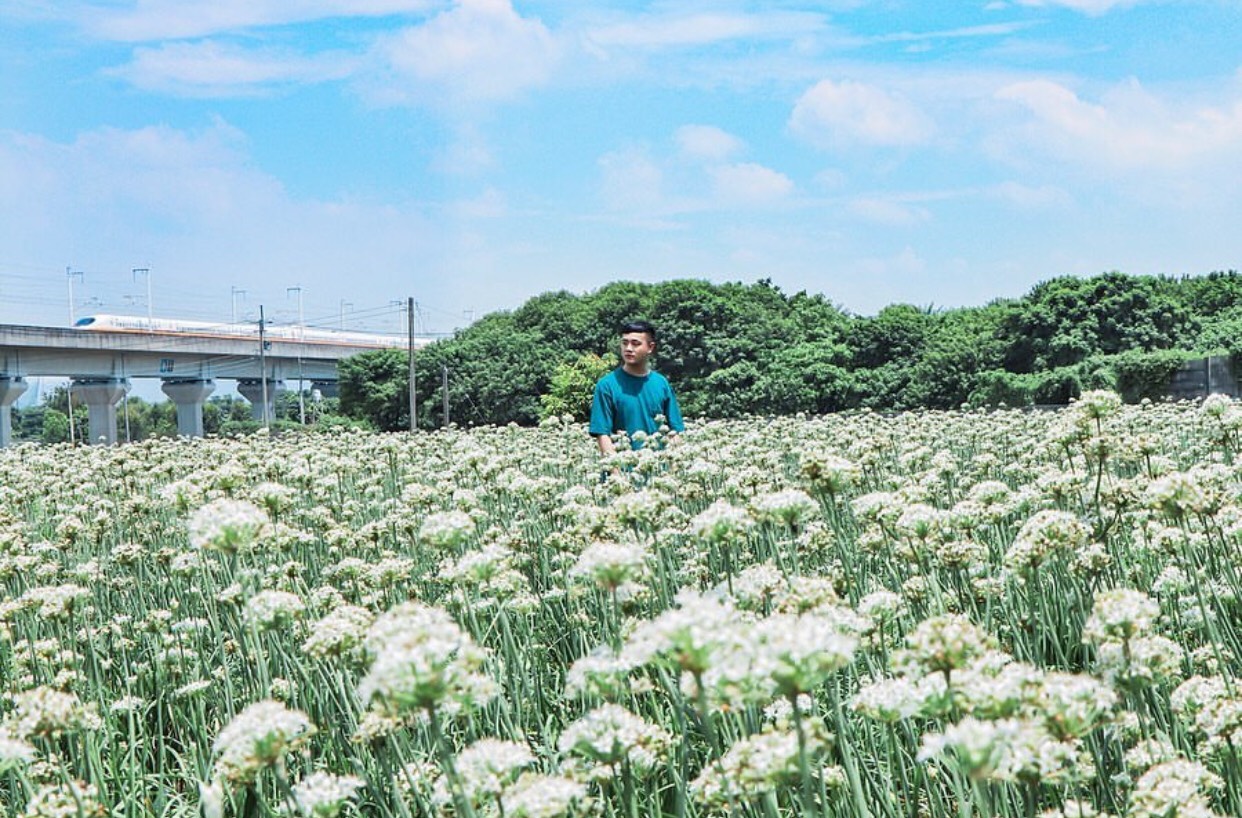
<point x="734" y="349"/>
<point x="58" y="400"/>
<point x="958" y="346"/>
<point x="55" y="426"/>
<point x="1066" y="320"/>
<point x="374" y="387"/>
<point x="228" y="415"/>
<point x="573" y="385"/>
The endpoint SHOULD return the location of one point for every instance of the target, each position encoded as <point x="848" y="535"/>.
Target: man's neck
<point x="636" y="371"/>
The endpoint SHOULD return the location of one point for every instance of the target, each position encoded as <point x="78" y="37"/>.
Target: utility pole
<point x="69" y="398"/>
<point x="345" y="304"/>
<point x="444" y="392"/>
<point x="150" y="312"/>
<point x="301" y="339"/>
<point x="236" y="292"/>
<point x="263" y="367"/>
<point x="409" y="309"/>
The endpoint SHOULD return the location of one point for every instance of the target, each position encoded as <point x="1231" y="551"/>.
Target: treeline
<point x="137" y="419"/>
<point x="736" y="349"/>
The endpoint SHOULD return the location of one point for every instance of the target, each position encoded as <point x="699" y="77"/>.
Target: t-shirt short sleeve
<point x="603" y="412"/>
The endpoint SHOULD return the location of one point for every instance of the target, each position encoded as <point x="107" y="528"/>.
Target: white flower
<point x="1121" y="613"/>
<point x="689" y="636"/>
<point x="801" y="651"/>
<point x="757" y="764"/>
<point x="889" y="700"/>
<point x="323" y="794"/>
<point x="945" y="643"/>
<point x="423" y="660"/>
<point x="446" y="529"/>
<point x="71" y="799"/>
<point x="828" y="473"/>
<point x="478" y="566"/>
<point x="126" y="704"/>
<point x="1173" y="788"/>
<point x="542" y="796"/>
<point x="226" y="525"/>
<point x="756" y="585"/>
<point x="340" y="633"/>
<point x="268" y="610"/>
<point x="46" y="712"/>
<point x="1047" y="532"/>
<point x="488" y="766"/>
<point x="612" y="564"/>
<point x="790" y="507"/>
<point x="258" y="737"/>
<point x="638" y="508"/>
<point x="610" y="734"/>
<point x="1007" y="750"/>
<point x="721" y="522"/>
<point x="882" y="604"/>
<point x="599" y="673"/>
<point x="1149" y="753"/>
<point x="1096" y="404"/>
<point x="1149" y="659"/>
<point x="1072" y="704"/>
<point x="14" y="751"/>
<point x="55" y="601"/>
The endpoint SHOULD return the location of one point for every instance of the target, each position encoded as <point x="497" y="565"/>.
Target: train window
<point x="84" y="322"/>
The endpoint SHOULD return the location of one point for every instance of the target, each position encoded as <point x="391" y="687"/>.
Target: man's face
<point x="636" y="347"/>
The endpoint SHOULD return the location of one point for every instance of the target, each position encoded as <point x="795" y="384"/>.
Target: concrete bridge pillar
<point x="252" y="390"/>
<point x="189" y="396"/>
<point x="11" y="388"/>
<point x="101" y="397"/>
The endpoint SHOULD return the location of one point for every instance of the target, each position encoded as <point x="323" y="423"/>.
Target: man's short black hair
<point x="639" y="326"/>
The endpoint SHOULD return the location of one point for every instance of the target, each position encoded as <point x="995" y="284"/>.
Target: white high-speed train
<point x="248" y="331"/>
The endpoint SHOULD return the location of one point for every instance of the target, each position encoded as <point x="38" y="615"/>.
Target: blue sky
<point x="472" y="154"/>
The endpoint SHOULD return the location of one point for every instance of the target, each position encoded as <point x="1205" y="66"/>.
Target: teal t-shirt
<point x="627" y="403"/>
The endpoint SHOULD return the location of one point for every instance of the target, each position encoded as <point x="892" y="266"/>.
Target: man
<point x="629" y="398"/>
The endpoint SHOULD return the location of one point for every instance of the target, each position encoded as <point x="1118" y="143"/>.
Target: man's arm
<point x="606" y="446"/>
<point x="672" y="415"/>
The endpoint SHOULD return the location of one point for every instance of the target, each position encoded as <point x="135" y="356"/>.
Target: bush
<point x="1145" y="374"/>
<point x="1055" y="388"/>
<point x="573" y="387"/>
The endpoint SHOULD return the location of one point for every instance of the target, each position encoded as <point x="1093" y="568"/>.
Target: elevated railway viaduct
<point x="100" y="365"/>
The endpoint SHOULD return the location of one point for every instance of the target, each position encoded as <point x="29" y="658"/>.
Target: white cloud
<point x="831" y="179"/>
<point x="631" y="181"/>
<point x="966" y="32"/>
<point x="467" y="152"/>
<point x="888" y="211"/>
<point x="211" y="68"/>
<point x="479" y="50"/>
<point x="839" y="114"/>
<point x="1028" y="196"/>
<point x="149" y="20"/>
<point x="1094" y="8"/>
<point x="749" y="183"/>
<point x="193" y="206"/>
<point x="707" y="142"/>
<point x="907" y="263"/>
<point x="165" y="172"/>
<point x="658" y="31"/>
<point x="490" y="204"/>
<point x="1129" y="128"/>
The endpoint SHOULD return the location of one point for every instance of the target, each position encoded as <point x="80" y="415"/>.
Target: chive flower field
<point x="923" y="615"/>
